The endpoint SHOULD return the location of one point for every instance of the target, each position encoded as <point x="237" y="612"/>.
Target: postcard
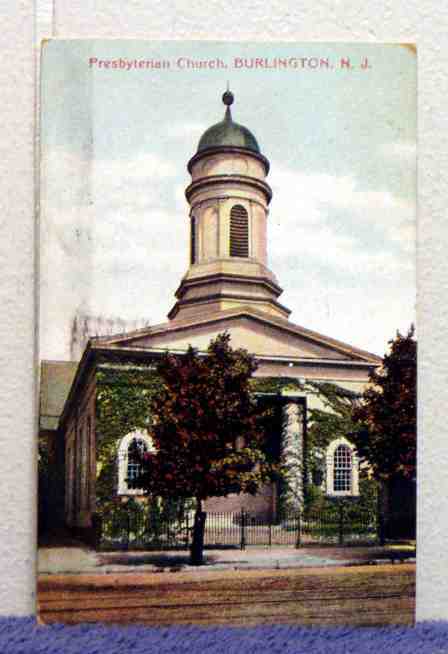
<point x="227" y="333"/>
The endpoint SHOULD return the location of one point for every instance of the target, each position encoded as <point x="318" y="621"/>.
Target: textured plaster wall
<point x="17" y="406"/>
<point x="421" y="21"/>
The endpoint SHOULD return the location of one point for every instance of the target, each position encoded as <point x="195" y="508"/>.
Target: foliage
<point x="121" y="407"/>
<point x="386" y="434"/>
<point x="147" y="523"/>
<point x="209" y="431"/>
<point x="206" y="430"/>
<point x="43" y="455"/>
<point x="43" y="470"/>
<point x="317" y="501"/>
<point x="356" y="517"/>
<point x="335" y="418"/>
<point x="275" y="385"/>
<point x="122" y="399"/>
<point x="51" y="479"/>
<point x="332" y="420"/>
<point x="205" y="426"/>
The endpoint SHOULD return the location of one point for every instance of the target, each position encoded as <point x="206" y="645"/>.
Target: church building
<point x="227" y="287"/>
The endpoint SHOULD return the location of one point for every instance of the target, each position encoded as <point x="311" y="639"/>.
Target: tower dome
<point x="229" y="205"/>
<point x="228" y="133"/>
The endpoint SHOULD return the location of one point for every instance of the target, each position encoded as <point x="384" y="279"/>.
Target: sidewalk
<point x="76" y="558"/>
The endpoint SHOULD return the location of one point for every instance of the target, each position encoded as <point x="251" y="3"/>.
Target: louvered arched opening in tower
<point x="239" y="232"/>
<point x="192" y="240"/>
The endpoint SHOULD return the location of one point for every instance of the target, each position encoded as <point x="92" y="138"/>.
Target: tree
<point x="387" y="413"/>
<point x="206" y="429"/>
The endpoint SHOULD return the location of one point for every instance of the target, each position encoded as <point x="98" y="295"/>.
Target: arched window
<point x="129" y="467"/>
<point x="193" y="239"/>
<point x="342" y="469"/>
<point x="239" y="232"/>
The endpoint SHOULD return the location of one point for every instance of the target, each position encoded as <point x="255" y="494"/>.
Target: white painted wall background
<point x="422" y="21"/>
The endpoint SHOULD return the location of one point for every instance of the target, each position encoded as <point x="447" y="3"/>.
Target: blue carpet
<point x="23" y="636"/>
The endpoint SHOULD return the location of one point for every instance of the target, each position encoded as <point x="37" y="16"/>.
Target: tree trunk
<point x="197" y="544"/>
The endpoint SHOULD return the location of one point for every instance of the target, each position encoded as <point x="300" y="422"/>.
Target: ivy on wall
<point x="123" y="395"/>
<point x="122" y="402"/>
<point x="276" y="385"/>
<point x="332" y="419"/>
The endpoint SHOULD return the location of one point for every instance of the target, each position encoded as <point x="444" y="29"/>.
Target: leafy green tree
<point x="386" y="437"/>
<point x="206" y="431"/>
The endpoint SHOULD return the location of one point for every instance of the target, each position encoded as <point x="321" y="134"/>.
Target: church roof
<point x="305" y="348"/>
<point x="228" y="133"/>
<point x="337" y="350"/>
<point x="252" y="322"/>
<point x="56" y="378"/>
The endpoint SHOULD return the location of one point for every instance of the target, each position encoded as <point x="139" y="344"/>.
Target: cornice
<point x="227" y="149"/>
<point x="227" y="296"/>
<point x="213" y="180"/>
<point x="228" y="277"/>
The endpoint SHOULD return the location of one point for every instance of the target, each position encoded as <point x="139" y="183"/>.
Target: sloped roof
<point x="227" y="132"/>
<point x="60" y="379"/>
<point x="56" y="378"/>
<point x="334" y="348"/>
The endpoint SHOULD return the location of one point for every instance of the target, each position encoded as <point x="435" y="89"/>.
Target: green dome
<point x="227" y="133"/>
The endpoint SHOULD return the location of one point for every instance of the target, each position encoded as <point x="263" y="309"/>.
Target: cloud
<point x="107" y="235"/>
<point x="344" y="255"/>
<point x="118" y="231"/>
<point x="189" y="129"/>
<point x="331" y="218"/>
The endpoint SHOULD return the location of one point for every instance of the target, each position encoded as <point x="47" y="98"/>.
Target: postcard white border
<point x="424" y="22"/>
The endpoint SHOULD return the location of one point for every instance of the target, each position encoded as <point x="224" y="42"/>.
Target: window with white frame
<point x="129" y="468"/>
<point x="342" y="469"/>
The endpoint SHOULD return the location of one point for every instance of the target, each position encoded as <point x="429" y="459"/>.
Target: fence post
<point x="243" y="530"/>
<point x="299" y="538"/>
<point x="187" y="532"/>
<point x="128" y="528"/>
<point x="341" y="523"/>
<point x="270" y="531"/>
<point x="97" y="530"/>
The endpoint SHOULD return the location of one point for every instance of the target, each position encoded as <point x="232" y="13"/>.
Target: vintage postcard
<point x="227" y="342"/>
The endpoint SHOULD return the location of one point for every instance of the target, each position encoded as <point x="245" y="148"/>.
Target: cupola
<point x="229" y="205"/>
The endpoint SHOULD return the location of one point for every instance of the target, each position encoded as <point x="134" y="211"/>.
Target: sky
<point x="341" y="142"/>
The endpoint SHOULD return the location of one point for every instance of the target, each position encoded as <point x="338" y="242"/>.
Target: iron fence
<point x="339" y="525"/>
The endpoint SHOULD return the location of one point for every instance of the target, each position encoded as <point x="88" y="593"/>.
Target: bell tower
<point x="229" y="206"/>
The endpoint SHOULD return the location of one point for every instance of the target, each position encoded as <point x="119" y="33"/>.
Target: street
<point x="359" y="595"/>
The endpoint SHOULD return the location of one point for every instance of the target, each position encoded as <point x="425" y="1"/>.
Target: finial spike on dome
<point x="226" y="133"/>
<point x="227" y="97"/>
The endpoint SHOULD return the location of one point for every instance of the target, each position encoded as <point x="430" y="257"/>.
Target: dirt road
<point x="360" y="595"/>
